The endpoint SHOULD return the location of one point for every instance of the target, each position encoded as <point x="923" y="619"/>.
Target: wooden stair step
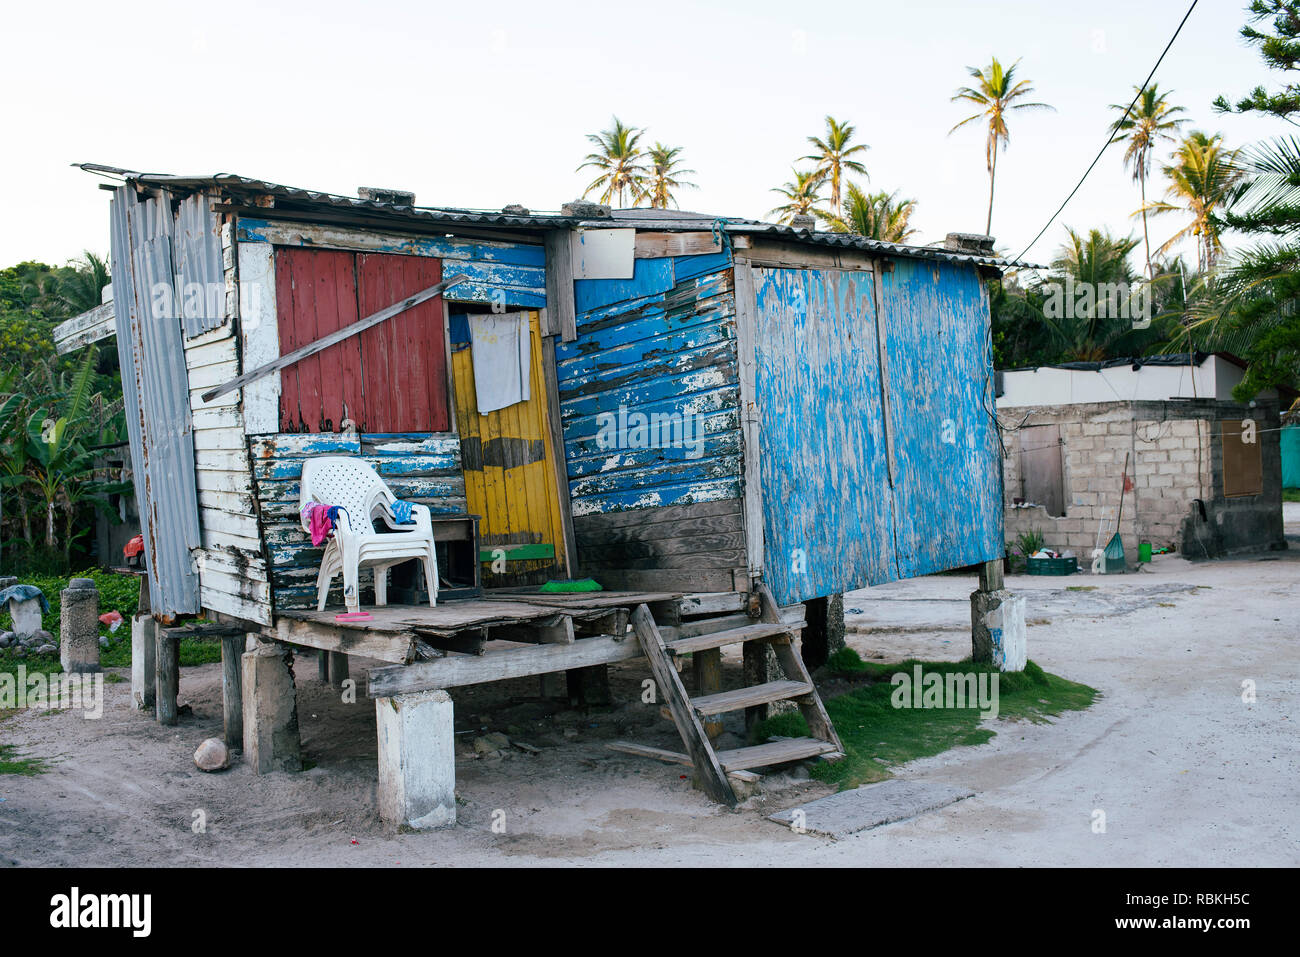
<point x="717" y="639"/>
<point x="749" y="697"/>
<point x="774" y="752"/>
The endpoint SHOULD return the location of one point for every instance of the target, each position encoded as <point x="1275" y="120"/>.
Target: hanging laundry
<point x="500" y="344"/>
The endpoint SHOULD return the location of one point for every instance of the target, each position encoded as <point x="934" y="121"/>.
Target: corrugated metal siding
<point x="420" y="468"/>
<point x="661" y="343"/>
<point x="155" y="387"/>
<point x="196" y="249"/>
<point x="823" y="466"/>
<point x="948" y="492"/>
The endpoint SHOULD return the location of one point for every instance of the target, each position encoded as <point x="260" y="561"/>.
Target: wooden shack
<point x="725" y="418"/>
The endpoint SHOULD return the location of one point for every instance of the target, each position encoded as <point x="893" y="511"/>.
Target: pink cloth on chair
<point x="318" y="520"/>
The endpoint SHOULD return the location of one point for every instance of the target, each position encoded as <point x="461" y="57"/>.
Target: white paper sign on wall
<point x="603" y="253"/>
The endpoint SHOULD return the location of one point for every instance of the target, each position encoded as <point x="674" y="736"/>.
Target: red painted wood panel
<point x="405" y="358"/>
<point x="315" y="295"/>
<point x="392" y="377"/>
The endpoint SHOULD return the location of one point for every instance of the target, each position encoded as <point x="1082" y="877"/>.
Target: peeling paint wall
<point x="657" y="492"/>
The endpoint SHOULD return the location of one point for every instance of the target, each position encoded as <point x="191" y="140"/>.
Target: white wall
<point x="1214" y="378"/>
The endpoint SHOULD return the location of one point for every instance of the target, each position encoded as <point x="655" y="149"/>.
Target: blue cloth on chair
<point x="402" y="512"/>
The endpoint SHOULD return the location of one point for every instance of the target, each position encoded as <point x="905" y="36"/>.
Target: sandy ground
<point x="1186" y="772"/>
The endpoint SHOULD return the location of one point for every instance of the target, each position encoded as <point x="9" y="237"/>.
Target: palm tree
<point x="664" y="176"/>
<point x="832" y="156"/>
<point x="880" y="216"/>
<point x="620" y="160"/>
<point x="1150" y="120"/>
<point x="1201" y="180"/>
<point x="802" y="194"/>
<point x="995" y="93"/>
<point x="1096" y="261"/>
<point x="83" y="288"/>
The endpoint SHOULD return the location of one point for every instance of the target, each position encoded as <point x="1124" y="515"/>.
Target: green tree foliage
<point x="1257" y="302"/>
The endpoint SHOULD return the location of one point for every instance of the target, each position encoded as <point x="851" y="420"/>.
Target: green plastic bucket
<point x="1144" y="551"/>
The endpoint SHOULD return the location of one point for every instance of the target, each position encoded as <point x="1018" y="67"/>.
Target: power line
<point x="1113" y="132"/>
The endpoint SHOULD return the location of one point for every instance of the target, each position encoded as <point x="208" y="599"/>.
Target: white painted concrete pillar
<point x="417" y="759"/>
<point x="998" y="633"/>
<point x="143" y="665"/>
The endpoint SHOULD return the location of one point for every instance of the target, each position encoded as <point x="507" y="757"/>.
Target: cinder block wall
<point x="1176" y="459"/>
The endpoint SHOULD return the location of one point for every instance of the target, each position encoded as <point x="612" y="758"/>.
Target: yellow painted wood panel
<point x="517" y="504"/>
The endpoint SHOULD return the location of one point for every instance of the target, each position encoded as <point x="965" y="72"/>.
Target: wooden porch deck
<point x="506" y="634"/>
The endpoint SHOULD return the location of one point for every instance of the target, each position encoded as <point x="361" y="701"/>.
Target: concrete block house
<point x="1203" y="471"/>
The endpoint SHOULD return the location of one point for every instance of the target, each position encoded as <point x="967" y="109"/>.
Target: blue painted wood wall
<point x="662" y="343"/>
<point x="832" y="521"/>
<point x="419" y="467"/>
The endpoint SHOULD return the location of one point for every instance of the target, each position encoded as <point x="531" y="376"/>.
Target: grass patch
<point x="120" y="593"/>
<point x="845" y="663"/>
<point x="877" y="736"/>
<point x="11" y="763"/>
<point x="1291" y="494"/>
<point x="1080" y="587"/>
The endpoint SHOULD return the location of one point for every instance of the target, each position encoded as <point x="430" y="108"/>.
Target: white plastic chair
<point x="353" y="484"/>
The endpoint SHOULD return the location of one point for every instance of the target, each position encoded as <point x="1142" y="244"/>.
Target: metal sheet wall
<point x="156" y="391"/>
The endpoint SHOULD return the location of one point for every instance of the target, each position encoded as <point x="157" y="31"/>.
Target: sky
<point x="488" y="103"/>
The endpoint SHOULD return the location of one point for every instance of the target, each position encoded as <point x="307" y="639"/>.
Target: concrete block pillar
<point x="417" y="759"/>
<point x="271" y="740"/>
<point x="143" y="664"/>
<point x="998" y="634"/>
<point x="79" y="626"/>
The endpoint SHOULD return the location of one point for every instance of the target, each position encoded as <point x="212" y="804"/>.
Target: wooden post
<point x="991" y="576"/>
<point x="167" y="669"/>
<point x="232" y="697"/>
<point x="708" y="680"/>
<point x="338" y="668"/>
<point x="323" y="665"/>
<point x="555" y="684"/>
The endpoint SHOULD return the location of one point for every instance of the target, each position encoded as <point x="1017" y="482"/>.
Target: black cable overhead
<point x="1113" y="131"/>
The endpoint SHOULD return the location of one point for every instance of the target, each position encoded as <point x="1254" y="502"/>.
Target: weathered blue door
<point x="878" y="451"/>
<point x="823" y="467"/>
<point x="947" y="468"/>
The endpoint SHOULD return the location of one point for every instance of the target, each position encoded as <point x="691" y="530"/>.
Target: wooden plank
<point x="663" y="579"/>
<point x="232" y="698"/>
<point x="394" y="646"/>
<point x="739" y="698"/>
<point x="774" y="752"/>
<point x="499" y="664"/>
<point x="711" y="604"/>
<point x="325" y="342"/>
<point x="810" y="705"/>
<point x="557" y="449"/>
<point x="675" y="757"/>
<point x="167" y="676"/>
<point x="684" y="646"/>
<point x="750" y="418"/>
<point x="707" y="666"/>
<point x="91" y="326"/>
<point x="559" y="286"/>
<point x="712" y="778"/>
<point x="660" y="245"/>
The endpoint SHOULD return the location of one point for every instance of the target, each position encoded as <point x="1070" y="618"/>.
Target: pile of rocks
<point x="40" y="642"/>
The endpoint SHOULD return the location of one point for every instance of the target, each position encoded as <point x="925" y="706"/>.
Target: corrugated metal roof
<point x="667" y="220"/>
